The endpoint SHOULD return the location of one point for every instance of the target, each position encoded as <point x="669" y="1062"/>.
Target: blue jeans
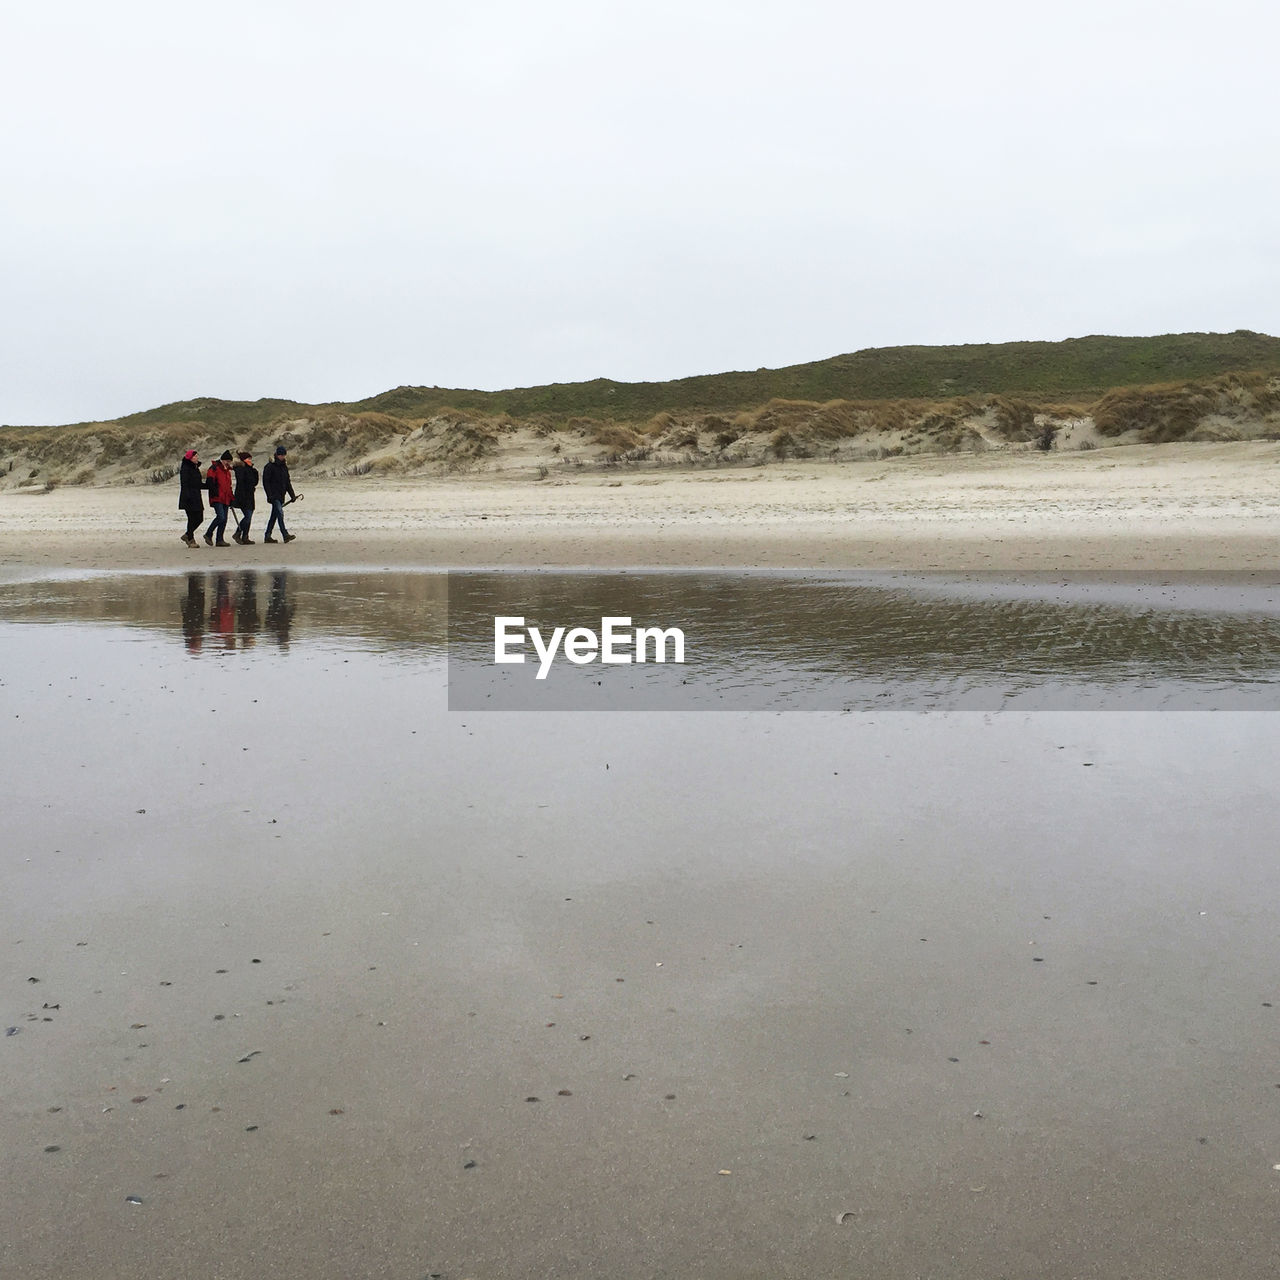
<point x="218" y="525"/>
<point x="277" y="517"/>
<point x="246" y="519"/>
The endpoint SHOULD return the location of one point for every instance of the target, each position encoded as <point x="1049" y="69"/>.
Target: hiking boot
<point x="236" y="537"/>
<point x="222" y="542"/>
<point x="188" y="539"/>
<point x="289" y="537"/>
<point x="246" y="541"/>
<point x="271" y="540"/>
<point x="208" y="539"/>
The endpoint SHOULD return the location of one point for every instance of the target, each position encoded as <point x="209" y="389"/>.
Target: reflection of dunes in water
<point x="1038" y="638"/>
<point x="235" y="607"/>
<point x="885" y="632"/>
<point x="877" y="630"/>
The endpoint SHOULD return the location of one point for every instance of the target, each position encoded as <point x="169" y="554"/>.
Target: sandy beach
<point x="1193" y="506"/>
<point x="755" y="758"/>
<point x="306" y="975"/>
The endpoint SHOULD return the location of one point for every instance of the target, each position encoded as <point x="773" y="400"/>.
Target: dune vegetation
<point x="1080" y="394"/>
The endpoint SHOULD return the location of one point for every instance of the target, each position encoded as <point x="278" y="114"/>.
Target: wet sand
<point x="814" y="995"/>
<point x="1203" y="506"/>
<point x="1001" y="989"/>
<point x="798" y="975"/>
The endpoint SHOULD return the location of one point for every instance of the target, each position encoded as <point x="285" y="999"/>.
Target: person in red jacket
<point x="218" y="481"/>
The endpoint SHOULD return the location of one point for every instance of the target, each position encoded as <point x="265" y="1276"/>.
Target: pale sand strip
<point x="1207" y="506"/>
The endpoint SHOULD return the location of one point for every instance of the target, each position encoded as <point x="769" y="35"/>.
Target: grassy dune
<point x="1082" y="393"/>
<point x="1079" y="368"/>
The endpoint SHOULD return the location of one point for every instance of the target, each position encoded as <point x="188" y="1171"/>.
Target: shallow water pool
<point x="337" y="981"/>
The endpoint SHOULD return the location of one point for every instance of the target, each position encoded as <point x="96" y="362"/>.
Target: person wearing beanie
<point x="275" y="485"/>
<point x="246" y="477"/>
<point x="218" y="481"/>
<point x="191" y="493"/>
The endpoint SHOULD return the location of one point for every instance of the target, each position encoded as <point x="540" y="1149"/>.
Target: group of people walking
<point x="232" y="481"/>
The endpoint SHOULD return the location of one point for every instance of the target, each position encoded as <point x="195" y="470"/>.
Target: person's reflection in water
<point x="193" y="613"/>
<point x="248" y="620"/>
<point x="279" y="609"/>
<point x="222" y="614"/>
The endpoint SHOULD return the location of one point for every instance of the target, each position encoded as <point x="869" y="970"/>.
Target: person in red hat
<point x="191" y="493"/>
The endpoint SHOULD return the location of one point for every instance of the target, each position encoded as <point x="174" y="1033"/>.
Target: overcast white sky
<point x="324" y="200"/>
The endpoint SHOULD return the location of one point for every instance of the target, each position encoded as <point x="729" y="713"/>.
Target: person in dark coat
<point x="191" y="493"/>
<point x="218" y="479"/>
<point x="275" y="485"/>
<point x="246" y="478"/>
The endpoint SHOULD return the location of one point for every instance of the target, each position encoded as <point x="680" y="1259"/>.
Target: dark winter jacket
<point x="246" y="482"/>
<point x="190" y="495"/>
<point x="275" y="481"/>
<point x="219" y="477"/>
